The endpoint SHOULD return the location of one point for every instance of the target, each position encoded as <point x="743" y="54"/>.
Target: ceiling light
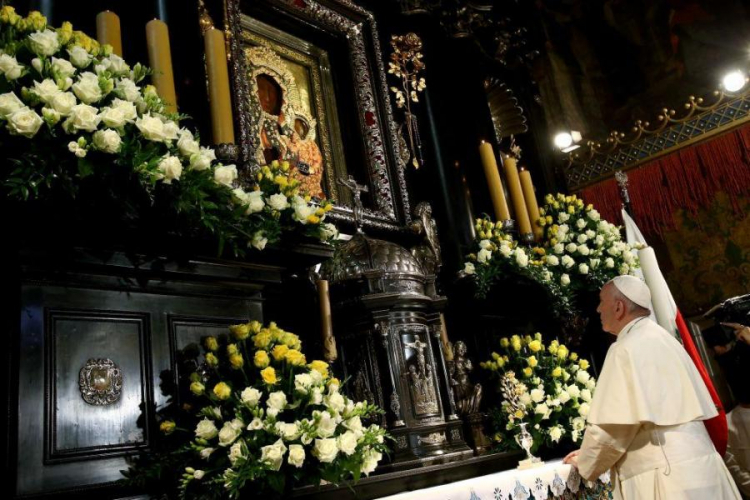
<point x="563" y="140"/>
<point x="734" y="81"/>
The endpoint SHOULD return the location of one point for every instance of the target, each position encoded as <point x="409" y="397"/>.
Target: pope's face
<point x="607" y="309"/>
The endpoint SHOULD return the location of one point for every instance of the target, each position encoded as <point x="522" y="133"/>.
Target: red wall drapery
<point x="686" y="179"/>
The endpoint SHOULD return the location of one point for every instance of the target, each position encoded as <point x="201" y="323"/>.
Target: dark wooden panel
<point x="77" y="428"/>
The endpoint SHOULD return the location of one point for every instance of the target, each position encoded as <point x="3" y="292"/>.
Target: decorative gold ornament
<point x="100" y="382"/>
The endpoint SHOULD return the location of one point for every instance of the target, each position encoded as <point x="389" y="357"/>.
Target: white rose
<point x="277" y="400"/>
<point x="582" y="376"/>
<point x="583" y="268"/>
<point x="329" y="231"/>
<point x="552" y="260"/>
<point x="10" y="67"/>
<point x="335" y="402"/>
<point x="584" y="409"/>
<point x="50" y="116"/>
<point x="235" y="453"/>
<point x="25" y="122"/>
<point x="302" y="382"/>
<point x="563" y="228"/>
<point x="564" y="397"/>
<point x="273" y="455"/>
<point x="609" y="263"/>
<point x="255" y="425"/>
<point x="278" y="201"/>
<point x="578" y="423"/>
<point x="206" y="453"/>
<point x="37" y="64"/>
<point x="573" y="391"/>
<point x="151" y="127"/>
<point x="567" y="261"/>
<point x="82" y="117"/>
<point x="565" y="280"/>
<point x="571" y="247"/>
<point x="87" y="88"/>
<point x="288" y="431"/>
<point x="188" y="146"/>
<point x="559" y="248"/>
<point x="521" y="258"/>
<point x="198" y="474"/>
<point x="326" y="450"/>
<point x="483" y="256"/>
<point x="591" y="384"/>
<point x="371" y="460"/>
<point x="347" y="442"/>
<point x="580" y="223"/>
<point x="46" y="90"/>
<point x="107" y="140"/>
<point x="79" y="57"/>
<point x="63" y="67"/>
<point x="117" y="64"/>
<point x="537" y="395"/>
<point x="599" y="240"/>
<point x="44" y="43"/>
<point x="469" y="268"/>
<point x="120" y="113"/>
<point x="594" y="263"/>
<point x="586" y="395"/>
<point x="590" y="234"/>
<point x="206" y="429"/>
<point x="555" y="433"/>
<point x="250" y="396"/>
<point x="259" y="241"/>
<point x="354" y="424"/>
<point x="628" y="256"/>
<point x="542" y="409"/>
<point x="127" y="89"/>
<point x="255" y="202"/>
<point x="230" y="431"/>
<point x="525" y="399"/>
<point x="225" y="174"/>
<point x="485" y="244"/>
<point x="296" y="455"/>
<point x="202" y="160"/>
<point x="505" y="251"/>
<point x="594" y="215"/>
<point x="302" y="211"/>
<point x="63" y="103"/>
<point x="10" y="103"/>
<point x="583" y="250"/>
<point x="326" y="425"/>
<point x="170" y="130"/>
<point x="563" y="217"/>
<point x="316" y="397"/>
<point x="170" y="169"/>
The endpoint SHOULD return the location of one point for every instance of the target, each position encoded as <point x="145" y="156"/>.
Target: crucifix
<point x="357" y="208"/>
<point x="419" y="346"/>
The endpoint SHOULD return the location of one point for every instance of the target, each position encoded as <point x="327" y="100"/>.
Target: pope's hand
<point x="572" y="458"/>
<point x="742" y="331"/>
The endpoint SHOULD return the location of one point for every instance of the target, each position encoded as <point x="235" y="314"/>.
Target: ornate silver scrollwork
<point x="421" y="380"/>
<point x="100" y="382"/>
<point x="434" y="438"/>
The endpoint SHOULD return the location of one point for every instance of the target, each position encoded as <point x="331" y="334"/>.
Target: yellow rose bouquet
<point x="257" y="418"/>
<point x="543" y="385"/>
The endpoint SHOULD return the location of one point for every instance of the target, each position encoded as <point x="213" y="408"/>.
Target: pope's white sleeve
<point x="602" y="447"/>
<point x="741" y="476"/>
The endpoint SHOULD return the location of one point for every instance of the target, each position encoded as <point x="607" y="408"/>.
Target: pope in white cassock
<point x="646" y="419"/>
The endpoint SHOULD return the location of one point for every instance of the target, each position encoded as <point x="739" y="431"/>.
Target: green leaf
<point x="85" y="167"/>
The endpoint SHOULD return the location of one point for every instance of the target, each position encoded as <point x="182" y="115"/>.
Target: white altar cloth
<point x="553" y="478"/>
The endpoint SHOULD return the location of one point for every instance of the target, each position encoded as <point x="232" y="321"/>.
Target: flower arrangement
<point x="578" y="252"/>
<point x="545" y="386"/>
<point x="261" y="419"/>
<point x="78" y="122"/>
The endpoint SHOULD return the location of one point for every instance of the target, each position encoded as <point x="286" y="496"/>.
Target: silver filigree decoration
<point x="100" y="382"/>
<point x="434" y="438"/>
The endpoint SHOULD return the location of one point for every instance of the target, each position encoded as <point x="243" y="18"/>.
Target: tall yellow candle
<point x="160" y="59"/>
<point x="493" y="181"/>
<point x="222" y="124"/>
<point x="108" y="30"/>
<point x="326" y="324"/>
<point x="516" y="195"/>
<point x="531" y="204"/>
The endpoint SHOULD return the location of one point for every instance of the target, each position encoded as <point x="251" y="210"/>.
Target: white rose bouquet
<point x="579" y="252"/>
<point x="78" y="122"/>
<point x="545" y="386"/>
<point x="260" y="420"/>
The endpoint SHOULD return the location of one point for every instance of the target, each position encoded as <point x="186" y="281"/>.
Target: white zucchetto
<point x="634" y="289"/>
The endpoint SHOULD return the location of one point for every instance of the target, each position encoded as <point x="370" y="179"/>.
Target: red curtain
<point x="686" y="179"/>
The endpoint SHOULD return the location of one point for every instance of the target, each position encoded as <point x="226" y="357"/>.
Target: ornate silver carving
<point x="434" y="438"/>
<point x="401" y="442"/>
<point x="395" y="404"/>
<point x="421" y="381"/>
<point x="100" y="382"/>
<point x="226" y="152"/>
<point x="455" y="434"/>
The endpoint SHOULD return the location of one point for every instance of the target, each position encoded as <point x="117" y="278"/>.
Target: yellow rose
<point x="279" y="352"/>
<point x="573" y="356"/>
<point x="211" y="359"/>
<point x="535" y="346"/>
<point x="295" y="358"/>
<point x="313" y="219"/>
<point x="232" y="349"/>
<point x="269" y="375"/>
<point x="333" y="381"/>
<point x="211" y="343"/>
<point x="197" y="388"/>
<point x="500" y="363"/>
<point x="504" y="342"/>
<point x="562" y="352"/>
<point x="527" y="371"/>
<point x="65" y="33"/>
<point x="237" y="361"/>
<point x="557" y="372"/>
<point x="167" y="427"/>
<point x="516" y="344"/>
<point x="583" y="364"/>
<point x="261" y="360"/>
<point x="222" y="391"/>
<point x="320" y="367"/>
<point x="518" y="414"/>
<point x="571" y="210"/>
<point x="36" y="20"/>
<point x="292" y="341"/>
<point x="262" y="339"/>
<point x="532" y="361"/>
<point x="255" y="327"/>
<point x="240" y="332"/>
<point x="281" y="180"/>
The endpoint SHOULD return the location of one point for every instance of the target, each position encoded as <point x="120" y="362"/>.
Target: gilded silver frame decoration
<point x="385" y="170"/>
<point x="100" y="382"/>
